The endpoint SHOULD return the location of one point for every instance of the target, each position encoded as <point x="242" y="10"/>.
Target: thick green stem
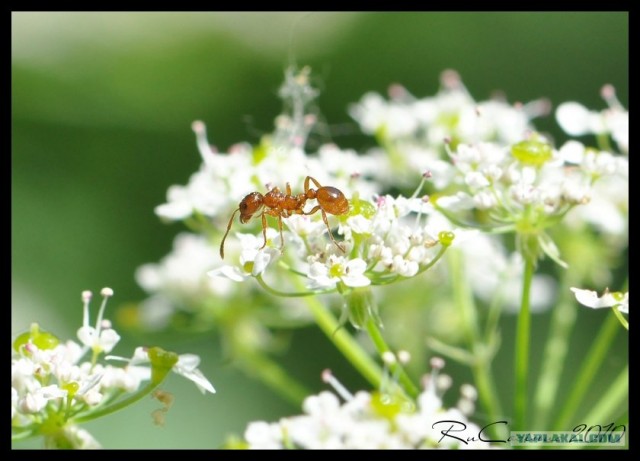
<point x="555" y="353"/>
<point x="396" y="368"/>
<point x="523" y="334"/>
<point x="590" y="366"/>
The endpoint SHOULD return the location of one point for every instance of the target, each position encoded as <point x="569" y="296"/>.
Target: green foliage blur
<point x="102" y="105"/>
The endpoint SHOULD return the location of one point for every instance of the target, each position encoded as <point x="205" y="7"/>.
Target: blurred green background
<point x="102" y="105"/>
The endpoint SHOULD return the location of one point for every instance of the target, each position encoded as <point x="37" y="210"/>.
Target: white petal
<point x="87" y="335"/>
<point x="230" y="272"/>
<point x="174" y="211"/>
<point x="356" y="266"/>
<point x="108" y="339"/>
<point x="573" y="118"/>
<point x="591" y="299"/>
<point x="262" y="260"/>
<point x="572" y="152"/>
<point x="186" y="367"/>
<point x="188" y="362"/>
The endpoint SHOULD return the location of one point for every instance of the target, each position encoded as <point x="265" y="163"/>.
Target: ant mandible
<point x="275" y="203"/>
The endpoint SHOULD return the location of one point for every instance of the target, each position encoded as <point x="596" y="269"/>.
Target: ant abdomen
<point x="332" y="200"/>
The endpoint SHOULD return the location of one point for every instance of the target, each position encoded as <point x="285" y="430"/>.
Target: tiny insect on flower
<point x="283" y="205"/>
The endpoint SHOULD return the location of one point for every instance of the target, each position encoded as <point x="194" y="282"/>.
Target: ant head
<point x="250" y="205"/>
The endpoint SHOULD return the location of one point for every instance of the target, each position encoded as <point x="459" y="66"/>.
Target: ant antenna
<point x="227" y="232"/>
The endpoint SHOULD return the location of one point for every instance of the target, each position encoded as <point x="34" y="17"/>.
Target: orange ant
<point x="275" y="203"/>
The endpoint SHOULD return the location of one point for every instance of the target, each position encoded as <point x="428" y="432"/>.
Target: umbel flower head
<point x="525" y="188"/>
<point x="54" y="389"/>
<point x="371" y="420"/>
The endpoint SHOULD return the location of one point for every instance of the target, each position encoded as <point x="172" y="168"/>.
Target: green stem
<point x="615" y="395"/>
<point x="481" y="365"/>
<point x="286" y="294"/>
<point x="272" y="374"/>
<point x="22" y="435"/>
<point x="116" y="406"/>
<point x="620" y="317"/>
<point x="562" y="322"/>
<point x="590" y="366"/>
<point x="346" y="344"/>
<point x="523" y="334"/>
<point x="396" y="368"/>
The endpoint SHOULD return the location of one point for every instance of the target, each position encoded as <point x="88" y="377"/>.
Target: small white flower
<point x="327" y="423"/>
<point x="608" y="299"/>
<point x="186" y="366"/>
<point x="181" y="275"/>
<point x="100" y="338"/>
<point x="338" y="269"/>
<point x="253" y="259"/>
<point x="476" y="180"/>
<point x="576" y="120"/>
<point x="34" y="402"/>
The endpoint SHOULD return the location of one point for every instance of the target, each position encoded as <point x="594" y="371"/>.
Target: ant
<point x="275" y="203"/>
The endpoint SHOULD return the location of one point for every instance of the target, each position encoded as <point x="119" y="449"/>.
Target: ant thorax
<point x="277" y="200"/>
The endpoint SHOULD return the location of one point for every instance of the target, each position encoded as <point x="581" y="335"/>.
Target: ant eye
<point x="243" y="206"/>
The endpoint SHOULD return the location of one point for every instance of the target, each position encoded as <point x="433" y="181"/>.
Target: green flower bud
<point x="43" y="340"/>
<point x="361" y="207"/>
<point x="386" y="405"/>
<point x="361" y="307"/>
<point x="446" y="238"/>
<point x="161" y="363"/>
<point x="532" y="152"/>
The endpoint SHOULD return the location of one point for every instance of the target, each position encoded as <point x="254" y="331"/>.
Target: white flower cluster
<point x="51" y="384"/>
<point x="487" y="168"/>
<point x="414" y="131"/>
<point x="389" y="239"/>
<point x="179" y="281"/>
<point x="577" y="120"/>
<point x="506" y="180"/>
<point x="380" y="237"/>
<point x="374" y="420"/>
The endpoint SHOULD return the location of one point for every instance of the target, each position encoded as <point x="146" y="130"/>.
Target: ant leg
<point x="227" y="233"/>
<point x="264" y="230"/>
<point x="306" y="183"/>
<point x="313" y="210"/>
<point x="288" y="189"/>
<point x="324" y="218"/>
<point x="281" y="236"/>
